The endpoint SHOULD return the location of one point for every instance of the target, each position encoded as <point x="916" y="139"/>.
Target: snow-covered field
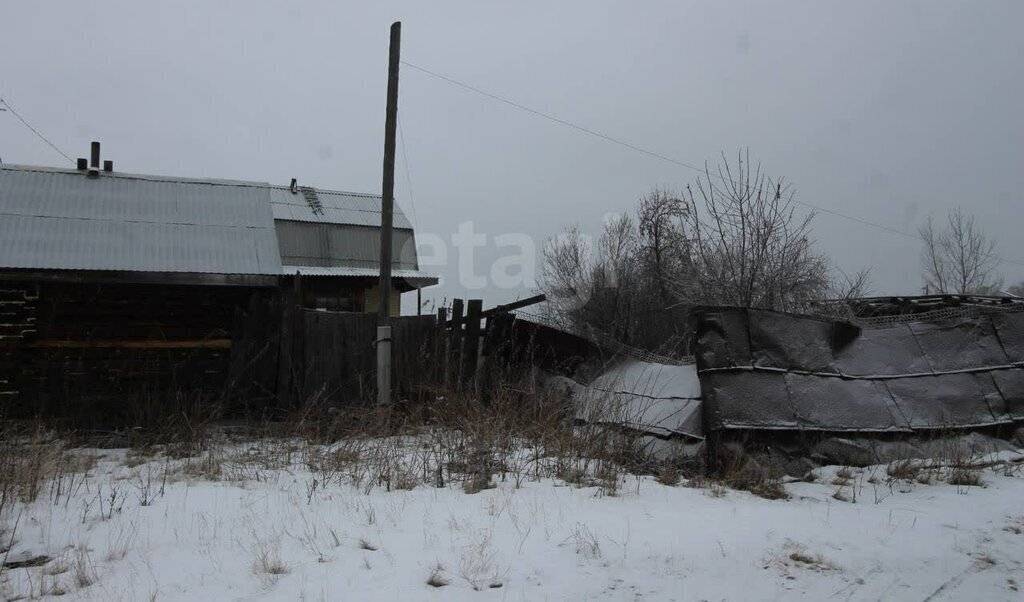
<point x="275" y="531"/>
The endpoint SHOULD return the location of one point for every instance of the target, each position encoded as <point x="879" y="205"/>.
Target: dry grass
<point x="905" y="470"/>
<point x="925" y="477"/>
<point x="57" y="567"/>
<point x="816" y="561"/>
<point x="513" y="431"/>
<point x="479" y="564"/>
<point x="767" y="487"/>
<point x="28" y="462"/>
<point x="437" y="578"/>
<point x="477" y="483"/>
<point x="585" y="542"/>
<point x="267" y="560"/>
<point x="738" y="470"/>
<point x="842" y="496"/>
<point x="208" y="467"/>
<point x="668" y="475"/>
<point x="965" y="477"/>
<point x="84" y="571"/>
<point x="796" y="555"/>
<point x="364" y="544"/>
<point x="716" y="490"/>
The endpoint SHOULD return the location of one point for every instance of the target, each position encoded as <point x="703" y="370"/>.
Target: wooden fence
<point x="117" y="354"/>
<point x="287" y="356"/>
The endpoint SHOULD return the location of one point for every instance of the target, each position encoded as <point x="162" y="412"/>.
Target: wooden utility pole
<point x="386" y="213"/>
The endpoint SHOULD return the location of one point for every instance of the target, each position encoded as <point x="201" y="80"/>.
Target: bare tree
<point x="959" y="259"/>
<point x="600" y="284"/>
<point x="737" y="240"/>
<point x="844" y="287"/>
<point x="568" y="271"/>
<point x="749" y="246"/>
<point x="618" y="288"/>
<point x="661" y="220"/>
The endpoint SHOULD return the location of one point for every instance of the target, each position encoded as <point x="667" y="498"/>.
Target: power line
<point x="405" y="165"/>
<point x="660" y="156"/>
<point x="35" y="131"/>
<point x="628" y="145"/>
<point x="555" y="119"/>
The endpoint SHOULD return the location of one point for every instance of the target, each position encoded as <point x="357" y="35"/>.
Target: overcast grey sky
<point x="882" y="110"/>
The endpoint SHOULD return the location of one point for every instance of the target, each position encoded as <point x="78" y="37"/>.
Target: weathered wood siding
<point x="76" y="348"/>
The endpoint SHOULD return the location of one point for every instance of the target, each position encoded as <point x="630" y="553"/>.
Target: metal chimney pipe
<point x="94" y="162"/>
<point x="108" y="165"/>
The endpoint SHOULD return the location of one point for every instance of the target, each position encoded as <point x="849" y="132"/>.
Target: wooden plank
<point x="457" y="307"/>
<point x="441" y="347"/>
<point x="101" y="276"/>
<point x="413" y="351"/>
<point x="299" y="368"/>
<point x="132" y="344"/>
<point x="455" y="340"/>
<point x="514" y="305"/>
<point x="471" y="342"/>
<point x="285" y="356"/>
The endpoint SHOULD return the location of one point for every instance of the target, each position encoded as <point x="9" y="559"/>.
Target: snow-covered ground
<point x="279" y="533"/>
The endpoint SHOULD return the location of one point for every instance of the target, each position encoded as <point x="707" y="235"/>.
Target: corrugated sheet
<point x="659" y="399"/>
<point x="337" y="208"/>
<point x="330" y="245"/>
<point x="53" y="219"/>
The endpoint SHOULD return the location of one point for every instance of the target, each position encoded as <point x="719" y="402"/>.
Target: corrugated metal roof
<point x="337" y="208"/>
<point x="422" y="277"/>
<point x="61" y="219"/>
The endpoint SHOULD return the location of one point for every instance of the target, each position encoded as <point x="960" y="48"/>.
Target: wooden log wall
<point x="95" y="348"/>
<point x="17" y="325"/>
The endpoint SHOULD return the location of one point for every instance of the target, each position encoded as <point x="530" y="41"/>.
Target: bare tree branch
<point x="959" y="259"/>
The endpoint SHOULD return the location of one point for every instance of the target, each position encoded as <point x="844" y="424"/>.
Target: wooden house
<point x="110" y="281"/>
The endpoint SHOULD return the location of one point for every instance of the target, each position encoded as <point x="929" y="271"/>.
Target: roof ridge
<point x="177" y="179"/>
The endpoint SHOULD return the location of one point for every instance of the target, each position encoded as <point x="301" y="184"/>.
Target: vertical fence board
<point x="413" y="352"/>
<point x="441" y="354"/>
<point x="471" y="344"/>
<point x="455" y="340"/>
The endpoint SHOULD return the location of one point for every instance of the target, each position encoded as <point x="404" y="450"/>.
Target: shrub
<point x="964" y="476"/>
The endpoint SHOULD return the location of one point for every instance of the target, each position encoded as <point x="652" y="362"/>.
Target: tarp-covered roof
<point x="765" y="370"/>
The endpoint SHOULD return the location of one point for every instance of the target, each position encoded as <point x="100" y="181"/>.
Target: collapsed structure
<point x="764" y="370"/>
<point x="905" y="366"/>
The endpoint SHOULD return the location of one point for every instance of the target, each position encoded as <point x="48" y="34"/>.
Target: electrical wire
<point x="35" y="131"/>
<point x="660" y="156"/>
<point x="405" y="165"/>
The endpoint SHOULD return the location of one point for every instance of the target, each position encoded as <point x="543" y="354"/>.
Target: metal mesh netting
<point x="968" y="307"/>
